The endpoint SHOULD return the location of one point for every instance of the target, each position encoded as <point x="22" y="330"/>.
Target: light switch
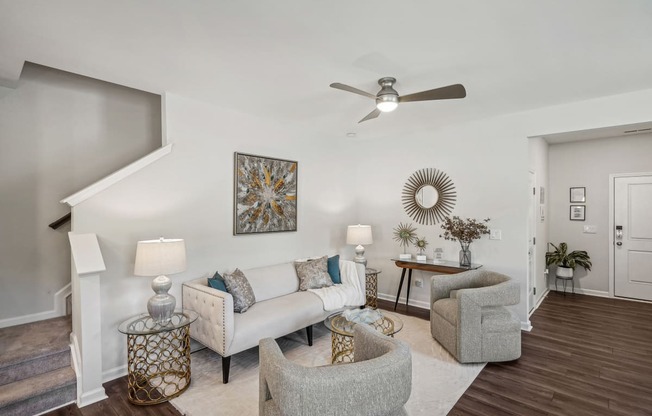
<point x="495" y="235"/>
<point x="590" y="229"/>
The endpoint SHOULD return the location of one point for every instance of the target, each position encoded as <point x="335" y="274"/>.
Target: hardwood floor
<point x="584" y="356"/>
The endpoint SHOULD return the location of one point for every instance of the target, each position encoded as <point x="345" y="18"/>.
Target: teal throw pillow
<point x="334" y="269"/>
<point x="217" y="282"/>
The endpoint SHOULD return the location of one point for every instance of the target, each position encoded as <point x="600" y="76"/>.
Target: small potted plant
<point x="565" y="261"/>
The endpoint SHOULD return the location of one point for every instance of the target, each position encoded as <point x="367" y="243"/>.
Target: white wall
<point x="488" y="161"/>
<point x="59" y="132"/>
<point x="539" y="165"/>
<point x="189" y="194"/>
<point x="588" y="164"/>
<point x="488" y="165"/>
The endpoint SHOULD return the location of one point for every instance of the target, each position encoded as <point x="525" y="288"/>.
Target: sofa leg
<point x="309" y="333"/>
<point x="226" y="366"/>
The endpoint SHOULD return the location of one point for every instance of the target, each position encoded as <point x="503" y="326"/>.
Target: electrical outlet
<point x="418" y="282"/>
<point x="495" y="234"/>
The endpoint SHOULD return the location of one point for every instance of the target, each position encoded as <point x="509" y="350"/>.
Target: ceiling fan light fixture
<point x="387" y="103"/>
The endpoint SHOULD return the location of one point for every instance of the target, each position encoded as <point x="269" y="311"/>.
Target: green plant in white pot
<point x="565" y="261"/>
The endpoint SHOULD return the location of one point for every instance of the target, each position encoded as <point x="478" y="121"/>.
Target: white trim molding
<point x="117" y="176"/>
<point x="58" y="309"/>
<point x="416" y="303"/>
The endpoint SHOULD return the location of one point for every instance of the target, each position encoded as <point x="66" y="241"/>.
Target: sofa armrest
<point x="215" y="325"/>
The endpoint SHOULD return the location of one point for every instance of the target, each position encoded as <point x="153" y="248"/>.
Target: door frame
<point x="612" y="224"/>
<point x="532" y="249"/>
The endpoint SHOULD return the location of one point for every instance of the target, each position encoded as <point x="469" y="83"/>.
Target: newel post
<point x="86" y="337"/>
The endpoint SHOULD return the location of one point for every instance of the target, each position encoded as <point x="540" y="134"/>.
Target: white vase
<point x="564" y="272"/>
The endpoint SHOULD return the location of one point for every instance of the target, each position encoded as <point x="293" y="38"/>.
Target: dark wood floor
<point x="585" y="356"/>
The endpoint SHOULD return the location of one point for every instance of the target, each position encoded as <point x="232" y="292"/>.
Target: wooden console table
<point x="443" y="267"/>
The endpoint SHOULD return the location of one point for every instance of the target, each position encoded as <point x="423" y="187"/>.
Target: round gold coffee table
<point x="342" y="333"/>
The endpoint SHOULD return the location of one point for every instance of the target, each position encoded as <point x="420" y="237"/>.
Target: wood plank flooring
<point x="585" y="356"/>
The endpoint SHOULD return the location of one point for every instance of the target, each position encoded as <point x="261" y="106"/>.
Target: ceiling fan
<point x="388" y="99"/>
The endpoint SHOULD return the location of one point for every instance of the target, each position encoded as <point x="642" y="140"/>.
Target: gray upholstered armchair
<point x="468" y="316"/>
<point x="378" y="383"/>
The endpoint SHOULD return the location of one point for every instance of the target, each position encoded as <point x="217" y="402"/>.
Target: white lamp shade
<point x="359" y="234"/>
<point x="160" y="257"/>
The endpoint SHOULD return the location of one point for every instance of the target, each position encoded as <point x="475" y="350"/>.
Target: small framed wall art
<point x="578" y="194"/>
<point x="265" y="194"/>
<point x="578" y="212"/>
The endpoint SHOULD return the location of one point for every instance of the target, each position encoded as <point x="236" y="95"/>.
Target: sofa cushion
<point x="334" y="269"/>
<point x="272" y="281"/>
<point x="276" y="317"/>
<point x="238" y="286"/>
<point x="313" y="274"/>
<point x="217" y="282"/>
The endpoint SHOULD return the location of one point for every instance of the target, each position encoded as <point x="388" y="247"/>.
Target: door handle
<point x="619" y="243"/>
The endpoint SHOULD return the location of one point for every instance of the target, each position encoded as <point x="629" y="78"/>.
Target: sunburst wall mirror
<point x="429" y="196"/>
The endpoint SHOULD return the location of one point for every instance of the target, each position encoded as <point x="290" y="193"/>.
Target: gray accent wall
<point x="59" y="132"/>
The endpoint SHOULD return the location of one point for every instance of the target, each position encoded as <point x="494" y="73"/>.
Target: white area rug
<point x="438" y="380"/>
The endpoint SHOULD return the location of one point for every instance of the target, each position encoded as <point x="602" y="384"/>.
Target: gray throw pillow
<point x="238" y="286"/>
<point x="313" y="274"/>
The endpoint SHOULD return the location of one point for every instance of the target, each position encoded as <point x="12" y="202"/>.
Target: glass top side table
<point x="342" y="339"/>
<point x="158" y="357"/>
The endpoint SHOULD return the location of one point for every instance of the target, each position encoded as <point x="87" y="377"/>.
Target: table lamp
<point x="359" y="234"/>
<point x="158" y="258"/>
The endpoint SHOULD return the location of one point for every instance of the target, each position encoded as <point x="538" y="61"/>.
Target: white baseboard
<point x="58" y="309"/>
<point x="114" y="373"/>
<point x="416" y="303"/>
<point x="91" y="397"/>
<point x="580" y="291"/>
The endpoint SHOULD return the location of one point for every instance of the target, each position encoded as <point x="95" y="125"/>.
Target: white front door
<point x="633" y="237"/>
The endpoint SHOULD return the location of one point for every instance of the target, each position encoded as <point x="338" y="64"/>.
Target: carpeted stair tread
<point x="33" y="367"/>
<point x="37" y="339"/>
<point x="34" y="386"/>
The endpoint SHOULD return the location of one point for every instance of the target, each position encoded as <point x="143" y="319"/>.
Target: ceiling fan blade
<point x="371" y="115"/>
<point x="348" y="88"/>
<point x="443" y="93"/>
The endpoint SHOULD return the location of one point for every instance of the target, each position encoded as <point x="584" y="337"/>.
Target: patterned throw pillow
<point x="313" y="274"/>
<point x="238" y="286"/>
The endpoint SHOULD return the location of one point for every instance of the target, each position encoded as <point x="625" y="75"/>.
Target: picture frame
<point x="264" y="194"/>
<point x="577" y="212"/>
<point x="578" y="194"/>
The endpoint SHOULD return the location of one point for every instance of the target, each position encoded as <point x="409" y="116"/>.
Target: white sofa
<point x="280" y="309"/>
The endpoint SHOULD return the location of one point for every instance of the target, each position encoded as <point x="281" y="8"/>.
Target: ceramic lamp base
<point x="161" y="306"/>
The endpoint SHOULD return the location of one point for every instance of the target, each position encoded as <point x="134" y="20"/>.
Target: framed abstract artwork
<point x="265" y="194"/>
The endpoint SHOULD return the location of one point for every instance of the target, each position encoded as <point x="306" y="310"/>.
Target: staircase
<point x="35" y="370"/>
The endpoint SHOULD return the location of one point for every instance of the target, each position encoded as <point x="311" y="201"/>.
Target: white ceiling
<point x="276" y="58"/>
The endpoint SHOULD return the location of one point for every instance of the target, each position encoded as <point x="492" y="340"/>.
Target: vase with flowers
<point x="464" y="231"/>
